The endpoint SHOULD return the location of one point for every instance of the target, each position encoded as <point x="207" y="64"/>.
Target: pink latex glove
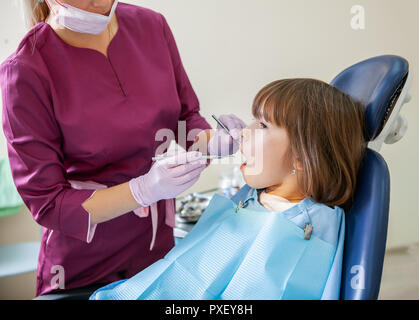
<point x="221" y="144"/>
<point x="168" y="178"/>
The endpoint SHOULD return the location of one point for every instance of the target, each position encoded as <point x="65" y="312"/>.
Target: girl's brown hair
<point x="326" y="131"/>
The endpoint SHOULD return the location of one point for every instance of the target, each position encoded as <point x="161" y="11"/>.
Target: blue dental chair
<point x="382" y="84"/>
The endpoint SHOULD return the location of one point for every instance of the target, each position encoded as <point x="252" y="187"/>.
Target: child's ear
<point x="298" y="166"/>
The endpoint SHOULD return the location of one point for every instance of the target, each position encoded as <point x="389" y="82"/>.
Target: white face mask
<point x="83" y="21"/>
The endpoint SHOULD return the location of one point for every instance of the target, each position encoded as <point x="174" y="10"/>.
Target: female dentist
<point x="84" y="95"/>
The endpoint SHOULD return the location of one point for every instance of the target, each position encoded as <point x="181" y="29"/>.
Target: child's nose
<point x="244" y="134"/>
<point x="241" y="135"/>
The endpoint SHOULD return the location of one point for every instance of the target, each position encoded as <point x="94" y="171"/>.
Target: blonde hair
<point x="34" y="11"/>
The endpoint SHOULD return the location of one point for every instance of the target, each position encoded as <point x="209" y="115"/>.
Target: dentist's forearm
<point x="110" y="203"/>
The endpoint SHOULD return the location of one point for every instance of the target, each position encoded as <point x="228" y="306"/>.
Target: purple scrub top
<point x="72" y="114"/>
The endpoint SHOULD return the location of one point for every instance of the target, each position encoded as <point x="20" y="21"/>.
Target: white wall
<point x="232" y="48"/>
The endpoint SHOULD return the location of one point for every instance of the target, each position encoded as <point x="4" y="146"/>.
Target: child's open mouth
<point x="247" y="160"/>
<point x="246" y="163"/>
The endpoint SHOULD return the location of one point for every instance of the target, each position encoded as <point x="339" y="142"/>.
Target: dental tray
<point x="190" y="208"/>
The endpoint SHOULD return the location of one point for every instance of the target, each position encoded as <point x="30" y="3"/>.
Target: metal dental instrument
<point x="225" y="128"/>
<point x="207" y="157"/>
<point x="161" y="157"/>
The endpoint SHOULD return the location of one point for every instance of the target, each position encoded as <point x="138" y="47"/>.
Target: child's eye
<point x="262" y="125"/>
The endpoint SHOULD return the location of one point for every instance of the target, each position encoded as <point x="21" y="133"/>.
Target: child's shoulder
<point x="325" y="212"/>
<point x="326" y="221"/>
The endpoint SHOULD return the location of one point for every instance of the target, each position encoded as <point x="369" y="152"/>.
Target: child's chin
<point x="254" y="182"/>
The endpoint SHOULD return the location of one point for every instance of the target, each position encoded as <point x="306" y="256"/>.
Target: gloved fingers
<point x="220" y="144"/>
<point x="189" y="183"/>
<point x="184" y="169"/>
<point x="231" y="121"/>
<point x="234" y="125"/>
<point x="222" y="136"/>
<point x="191" y="177"/>
<point x="226" y="120"/>
<point x="180" y="158"/>
<point x="170" y="156"/>
<point x="188" y="176"/>
<point x="173" y="152"/>
<point x="226" y="140"/>
<point x="236" y="133"/>
<point x="239" y="125"/>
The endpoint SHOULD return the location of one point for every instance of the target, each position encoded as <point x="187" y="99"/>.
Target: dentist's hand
<point x="167" y="178"/>
<point x="221" y="144"/>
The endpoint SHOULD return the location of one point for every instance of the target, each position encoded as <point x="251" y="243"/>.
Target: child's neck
<point x="289" y="192"/>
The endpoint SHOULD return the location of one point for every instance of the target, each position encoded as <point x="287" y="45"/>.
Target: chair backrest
<point x="377" y="82"/>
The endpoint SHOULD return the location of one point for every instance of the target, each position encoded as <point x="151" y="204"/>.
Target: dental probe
<point x="161" y="157"/>
<point x="225" y="128"/>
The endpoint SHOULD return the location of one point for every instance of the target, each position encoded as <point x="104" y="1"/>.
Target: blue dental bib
<point x="234" y="253"/>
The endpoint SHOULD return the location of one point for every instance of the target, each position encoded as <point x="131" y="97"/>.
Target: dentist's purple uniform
<point x="72" y="114"/>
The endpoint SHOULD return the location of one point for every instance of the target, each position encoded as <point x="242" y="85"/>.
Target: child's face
<point x="265" y="147"/>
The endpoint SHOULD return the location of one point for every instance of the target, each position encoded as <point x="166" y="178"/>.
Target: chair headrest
<point x="376" y="82"/>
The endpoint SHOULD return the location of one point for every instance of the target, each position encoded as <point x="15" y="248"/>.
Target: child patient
<point x="281" y="236"/>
